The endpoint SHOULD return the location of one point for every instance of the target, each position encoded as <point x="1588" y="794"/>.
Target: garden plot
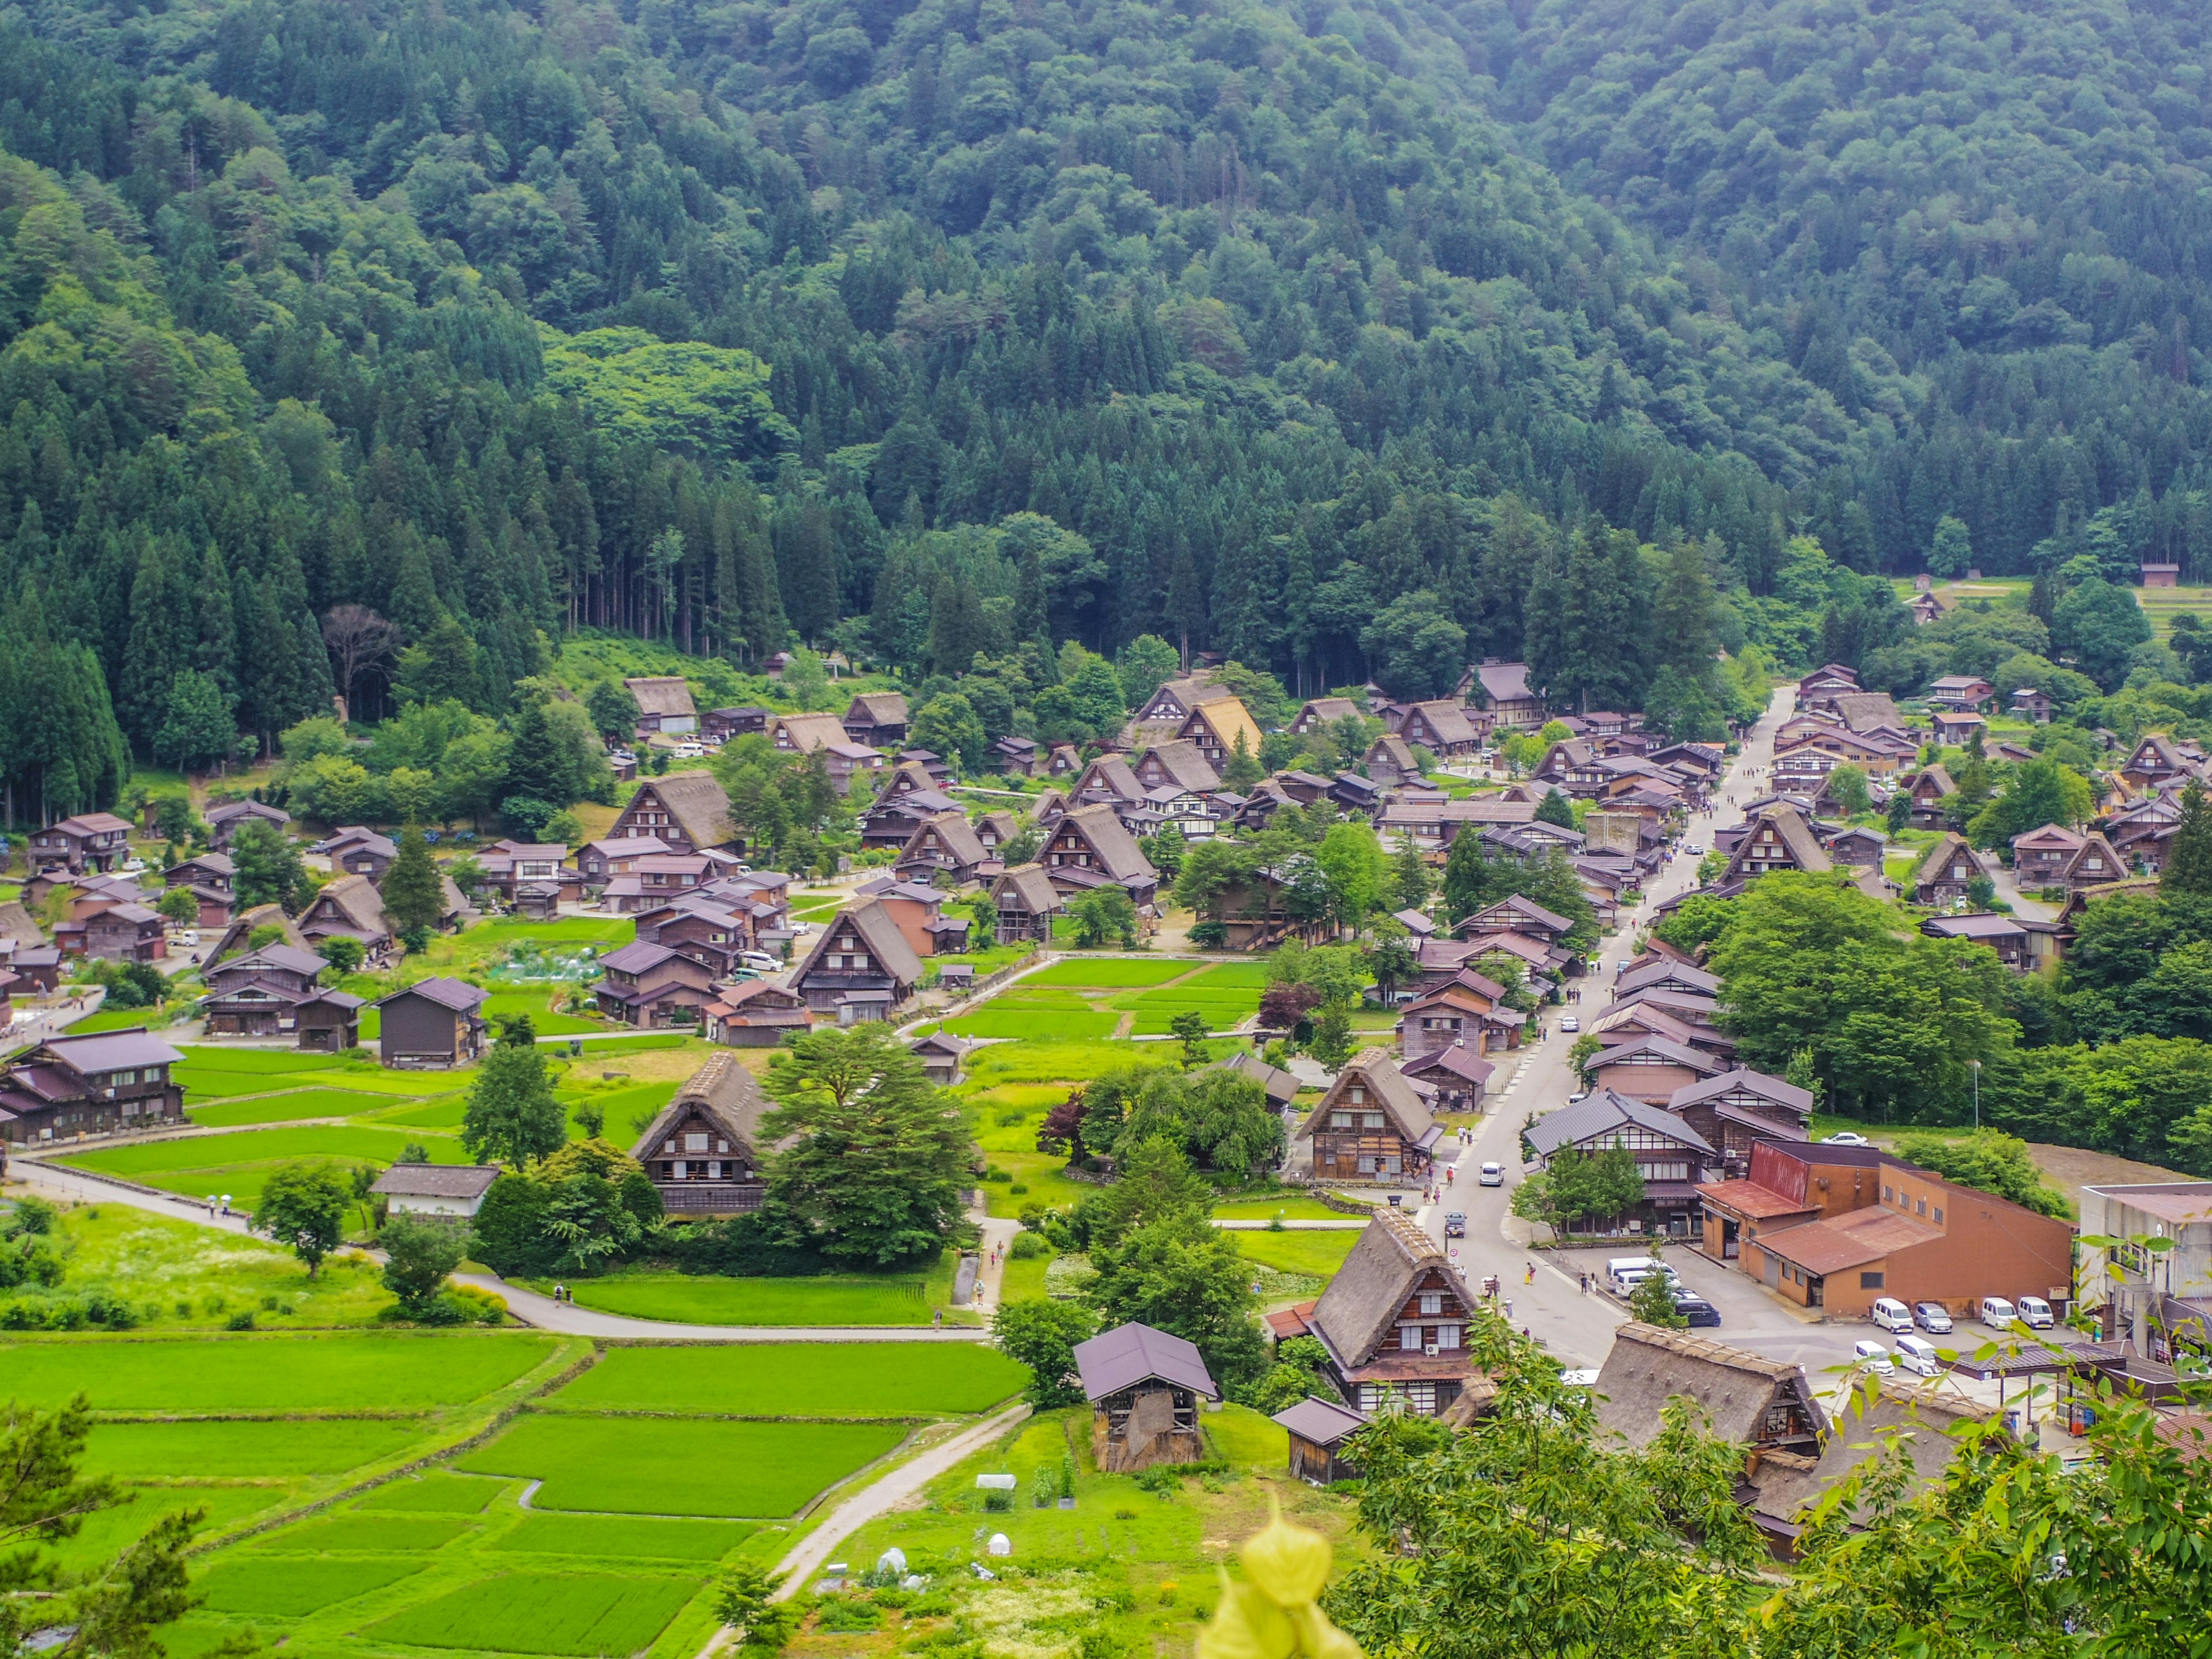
<point x="773" y="1379"/>
<point x="660" y="1466"/>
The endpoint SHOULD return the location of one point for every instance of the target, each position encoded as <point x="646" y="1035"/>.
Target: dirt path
<point x="572" y="1320"/>
<point x="883" y="1495"/>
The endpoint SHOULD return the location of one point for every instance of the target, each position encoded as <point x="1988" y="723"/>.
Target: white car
<point x="1570" y="1025"/>
<point x="1917" y="1354"/>
<point x="1696" y="849"/>
<point x="1845" y="1138"/>
<point x="1995" y="1311"/>
<point x="1870" y="1356"/>
<point x="2035" y="1313"/>
<point x="1493" y="1174"/>
<point x="1891" y="1314"/>
<point x="760" y="962"/>
<point x="688" y="750"/>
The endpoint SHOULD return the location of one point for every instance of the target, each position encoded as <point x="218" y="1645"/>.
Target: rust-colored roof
<point x="1850" y="1240"/>
<point x="1748" y="1198"/>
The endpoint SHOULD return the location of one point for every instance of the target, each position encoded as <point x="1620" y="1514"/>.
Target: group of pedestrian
<point x="560" y="1293"/>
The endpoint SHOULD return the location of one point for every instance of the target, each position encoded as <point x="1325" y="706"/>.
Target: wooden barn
<point x="1318" y="1429"/>
<point x="1144" y="1387"/>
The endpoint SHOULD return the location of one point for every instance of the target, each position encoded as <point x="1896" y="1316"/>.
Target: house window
<point x="1370" y="1120"/>
<point x="695" y="1142"/>
<point x="1887" y="1196"/>
<point x="683" y="1170"/>
<point x="1340" y="1120"/>
<point x="1447" y="1336"/>
<point x="1433" y="1302"/>
<point x="1920" y="1206"/>
<point x="1356" y="1093"/>
<point x="721" y="1146"/>
<point x="1367" y="1166"/>
<point x="1939" y="1215"/>
<point x="714" y="1171"/>
<point x="1409" y="1338"/>
<point x="1870" y="1281"/>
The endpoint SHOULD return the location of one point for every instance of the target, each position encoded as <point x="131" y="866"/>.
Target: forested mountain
<point x="1289" y="331"/>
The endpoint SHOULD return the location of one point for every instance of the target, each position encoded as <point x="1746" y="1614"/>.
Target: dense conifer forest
<point x="1342" y="340"/>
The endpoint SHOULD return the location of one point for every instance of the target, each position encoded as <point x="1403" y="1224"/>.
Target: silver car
<point x="1933" y="1317"/>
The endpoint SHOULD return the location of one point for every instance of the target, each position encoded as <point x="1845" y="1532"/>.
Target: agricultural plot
<point x="245" y="1449"/>
<point x="840" y="1299"/>
<point x="638" y="1538"/>
<point x="349" y="1372"/>
<point x="712" y="1466"/>
<point x="1311" y="1255"/>
<point x="582" y="1614"/>
<point x="1106" y="973"/>
<point x="283" y="1587"/>
<point x="294" y="1106"/>
<point x="206" y="1166"/>
<point x="768" y="1380"/>
<point x="1116" y="997"/>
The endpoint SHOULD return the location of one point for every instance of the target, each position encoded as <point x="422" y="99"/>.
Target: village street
<point x="1576" y="1325"/>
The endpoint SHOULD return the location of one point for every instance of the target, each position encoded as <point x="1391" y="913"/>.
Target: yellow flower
<point x="1290" y="1563"/>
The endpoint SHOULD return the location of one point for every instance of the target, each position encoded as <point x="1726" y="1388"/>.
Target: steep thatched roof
<point x="1360" y="1306"/>
<point x="1736" y="1389"/>
<point x="725" y="1093"/>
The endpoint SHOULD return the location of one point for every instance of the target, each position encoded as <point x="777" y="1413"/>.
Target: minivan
<point x="1933" y="1316"/>
<point x="1616" y="1266"/>
<point x="1624" y="1283"/>
<point x="1871" y="1356"/>
<point x="1891" y="1314"/>
<point x="2035" y="1313"/>
<point x="1996" y="1311"/>
<point x="1493" y="1174"/>
<point x="1917" y="1353"/>
<point x="1697" y="1310"/>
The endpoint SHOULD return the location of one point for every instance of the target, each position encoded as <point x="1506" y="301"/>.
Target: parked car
<point x="1579" y="1094"/>
<point x="1891" y="1314"/>
<point x="2035" y="1313"/>
<point x="1845" y="1138"/>
<point x="1932" y="1316"/>
<point x="689" y="750"/>
<point x="1869" y="1355"/>
<point x="1917" y="1354"/>
<point x="759" y="961"/>
<point x="1569" y="1024"/>
<point x="1697" y="1310"/>
<point x="1493" y="1174"/>
<point x="1455" y="1226"/>
<point x="1696" y="849"/>
<point x="1996" y="1310"/>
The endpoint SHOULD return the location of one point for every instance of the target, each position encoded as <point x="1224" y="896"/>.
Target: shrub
<point x="241" y="1320"/>
<point x="1028" y="1247"/>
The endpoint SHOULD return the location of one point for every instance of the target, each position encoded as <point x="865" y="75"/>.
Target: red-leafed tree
<point x="1284" y="1006"/>
<point x="1062" y="1129"/>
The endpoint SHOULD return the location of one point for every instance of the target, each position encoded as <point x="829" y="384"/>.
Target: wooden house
<point x="1672" y="1157"/>
<point x="1026" y="901"/>
<point x="1278" y="1085"/>
<point x="702" y="1153"/>
<point x="226" y="820"/>
<point x="434" y="1022"/>
<point x="1144" y="1387"/>
<point x="2042" y="857"/>
<point x="877" y="720"/>
<point x="941" y="1055"/>
<point x="663" y="704"/>
<point x="709" y="931"/>
<point x="1319" y="714"/>
<point x="350" y="908"/>
<point x="1965" y="694"/>
<point x="1650" y="1068"/>
<point x="654" y="986"/>
<point x="1956" y="730"/>
<point x="2028" y="703"/>
<point x="2015" y="946"/>
<point x="276" y="991"/>
<point x="917" y="910"/>
<point x="1371" y="1126"/>
<point x="844" y="760"/>
<point x="944" y="844"/>
<point x="357" y="850"/>
<point x="1165" y="712"/>
<point x="1468" y="1010"/>
<point x="686" y="811"/>
<point x="89" y="840"/>
<point x="721" y="724"/>
<point x="435" y="1192"/>
<point x="1517" y="915"/>
<point x="1318" y="1431"/>
<point x="1769" y="1406"/>
<point x="1179" y="764"/>
<point x="1501" y="690"/>
<point x="211" y="879"/>
<point x="1460" y="1079"/>
<point x="1441" y="726"/>
<point x="115" y="932"/>
<point x="1735" y="1110"/>
<point x="1219" y="729"/>
<point x="1017" y="757"/>
<point x="1390" y="762"/>
<point x="1779" y="838"/>
<point x="598" y="862"/>
<point x="1395" y="1322"/>
<point x="1946" y="874"/>
<point x="860" y="966"/>
<point x="2157" y="758"/>
<point x="246" y="923"/>
<point x="754" y="1013"/>
<point x="908" y="799"/>
<point x="70" y="1088"/>
<point x="1089" y="846"/>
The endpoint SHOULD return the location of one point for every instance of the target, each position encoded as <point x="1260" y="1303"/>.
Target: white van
<point x="1871" y="1356"/>
<point x="1891" y="1314"/>
<point x="1621" y="1264"/>
<point x="1624" y="1283"/>
<point x="1917" y="1353"/>
<point x="1995" y="1311"/>
<point x="2035" y="1313"/>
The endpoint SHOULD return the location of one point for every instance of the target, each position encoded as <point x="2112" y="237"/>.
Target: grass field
<point x="272" y="1374"/>
<point x="206" y="1166"/>
<point x="1289" y="1206"/>
<point x="1318" y="1254"/>
<point x="633" y="1466"/>
<point x="1106" y="997"/>
<point x="1006" y="1019"/>
<point x="843" y="1299"/>
<point x="768" y="1380"/>
<point x="1108" y="972"/>
<point x="435" y="1493"/>
<point x="583" y="1614"/>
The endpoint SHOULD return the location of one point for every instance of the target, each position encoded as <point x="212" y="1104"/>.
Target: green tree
<point x="1847" y="787"/>
<point x="1104" y="913"/>
<point x="197" y="728"/>
<point x="512" y="1117"/>
<point x="1242" y="772"/>
<point x="947" y="724"/>
<point x="1468" y="882"/>
<point x="1653" y="1302"/>
<point x="1179" y="1274"/>
<point x="1333" y="1044"/>
<point x="1951" y="555"/>
<point x="1041" y="1334"/>
<point x="1416" y="649"/>
<point x="1147" y="663"/>
<point x="613" y="709"/>
<point x="1394" y="962"/>
<point x="1897" y="815"/>
<point x="413" y="897"/>
<point x="343" y="953"/>
<point x="1189" y="1028"/>
<point x="2037" y="793"/>
<point x="2100" y="625"/>
<point x="1409" y="879"/>
<point x="179" y="907"/>
<point x="303" y="1205"/>
<point x="1556" y="809"/>
<point x="269" y="867"/>
<point x="1350" y="858"/>
<point x="1989" y="1162"/>
<point x="745" y="1599"/>
<point x="1156" y="1188"/>
<point x="872" y="1163"/>
<point x="418" y="1254"/>
<point x="2188" y="862"/>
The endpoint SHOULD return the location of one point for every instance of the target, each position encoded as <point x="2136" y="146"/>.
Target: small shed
<point x="1318" y="1429"/>
<point x="1144" y="1387"/>
<point x="940" y="1054"/>
<point x="444" y="1192"/>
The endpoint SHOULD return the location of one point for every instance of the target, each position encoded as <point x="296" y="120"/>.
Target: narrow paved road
<point x="1577" y="1326"/>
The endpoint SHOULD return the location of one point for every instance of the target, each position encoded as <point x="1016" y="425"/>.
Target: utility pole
<point x="1977" y="1094"/>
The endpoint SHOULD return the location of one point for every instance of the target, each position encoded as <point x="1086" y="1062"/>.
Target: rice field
<point x="841" y="1299"/>
<point x="1106" y="997"/>
<point x="337" y="1373"/>
<point x="246" y="1449"/>
<point x="765" y="1381"/>
<point x="638" y="1538"/>
<point x="696" y="1466"/>
<point x="579" y="1614"/>
<point x="283" y="1587"/>
<point x="207" y="1166"/>
<point x="293" y="1107"/>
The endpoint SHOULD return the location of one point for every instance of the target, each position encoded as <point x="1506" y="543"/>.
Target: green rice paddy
<point x="291" y="1107"/>
<point x="664" y="1466"/>
<point x="582" y="1614"/>
<point x="284" y="1587"/>
<point x="766" y="1380"/>
<point x="1106" y="997"/>
<point x="400" y="1373"/>
<point x="841" y="1299"/>
<point x="639" y="1537"/>
<point x="246" y="1449"/>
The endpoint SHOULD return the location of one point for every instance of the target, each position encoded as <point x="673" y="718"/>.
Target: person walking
<point x="1529" y="1277"/>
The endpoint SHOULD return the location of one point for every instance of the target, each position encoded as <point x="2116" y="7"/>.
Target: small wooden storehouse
<point x="1144" y="1387"/>
<point x="1318" y="1429"/>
